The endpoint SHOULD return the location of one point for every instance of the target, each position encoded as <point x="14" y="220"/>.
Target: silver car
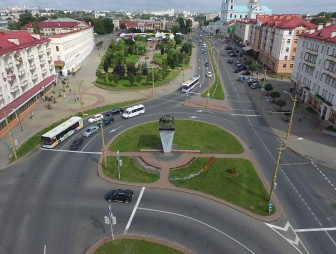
<point x="90" y="131"/>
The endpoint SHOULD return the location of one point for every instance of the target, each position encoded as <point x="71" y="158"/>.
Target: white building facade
<point x="70" y="50"/>
<point x="314" y="72"/>
<point x="26" y="69"/>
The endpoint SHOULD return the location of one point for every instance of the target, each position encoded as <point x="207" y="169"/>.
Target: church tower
<point x="228" y="10"/>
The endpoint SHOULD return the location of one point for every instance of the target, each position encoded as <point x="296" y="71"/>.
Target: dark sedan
<point x="115" y="111"/>
<point x="108" y="120"/>
<point x="119" y="195"/>
<point x="76" y="144"/>
<point x="246" y="73"/>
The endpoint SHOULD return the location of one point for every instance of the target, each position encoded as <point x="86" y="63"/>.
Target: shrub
<point x="274" y="95"/>
<point x="281" y="103"/>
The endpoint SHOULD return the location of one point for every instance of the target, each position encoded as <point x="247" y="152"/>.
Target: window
<point x="286" y="57"/>
<point x="287" y="49"/>
<point x="241" y="16"/>
<point x="291" y="65"/>
<point x="288" y="40"/>
<point x="290" y="32"/>
<point x="295" y="41"/>
<point x="294" y="49"/>
<point x="322" y="49"/>
<point x="293" y="57"/>
<point x="231" y="15"/>
<point x="235" y="16"/>
<point x="57" y="48"/>
<point x="284" y="65"/>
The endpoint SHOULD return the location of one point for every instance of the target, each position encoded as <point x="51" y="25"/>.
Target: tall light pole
<point x="103" y="143"/>
<point x="292" y="114"/>
<point x="80" y="98"/>
<point x="274" y="184"/>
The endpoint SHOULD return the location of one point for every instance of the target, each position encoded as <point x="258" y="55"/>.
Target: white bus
<point x="62" y="132"/>
<point x="134" y="111"/>
<point x="190" y="84"/>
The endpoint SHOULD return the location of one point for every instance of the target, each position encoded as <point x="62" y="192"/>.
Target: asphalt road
<point x="54" y="199"/>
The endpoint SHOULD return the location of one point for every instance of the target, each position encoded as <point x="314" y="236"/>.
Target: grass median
<point x="134" y="247"/>
<point x="233" y="180"/>
<point x="191" y="135"/>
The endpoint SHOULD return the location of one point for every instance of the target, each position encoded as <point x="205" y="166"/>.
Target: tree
<point x="178" y="39"/>
<point x="131" y="69"/>
<point x="123" y="26"/>
<point x="274" y="95"/>
<point x="25" y="18"/>
<point x="281" y="103"/>
<point x="268" y="87"/>
<point x="131" y="79"/>
<point x="108" y="26"/>
<point x="106" y="66"/>
<point x="119" y="70"/>
<point x="138" y="78"/>
<point x="216" y="19"/>
<point x="162" y="50"/>
<point x="171" y="61"/>
<point x="253" y="67"/>
<point x="36" y="28"/>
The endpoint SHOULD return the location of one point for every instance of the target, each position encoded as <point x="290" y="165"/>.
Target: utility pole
<point x="11" y="140"/>
<point x="18" y="120"/>
<point x="292" y="114"/>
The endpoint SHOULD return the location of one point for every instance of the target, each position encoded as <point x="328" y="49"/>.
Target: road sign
<point x="120" y="163"/>
<point x="107" y="220"/>
<point x="114" y="220"/>
<point x="270" y="204"/>
<point x="16" y="142"/>
<point x="118" y="156"/>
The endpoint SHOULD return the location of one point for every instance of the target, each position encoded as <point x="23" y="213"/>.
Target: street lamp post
<point x="292" y="114"/>
<point x="80" y="98"/>
<point x="103" y="143"/>
<point x="11" y="138"/>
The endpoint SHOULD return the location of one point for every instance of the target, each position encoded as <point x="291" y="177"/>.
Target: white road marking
<point x="115" y="129"/>
<point x="203" y="223"/>
<point x="243" y="115"/>
<point x="134" y="210"/>
<point x="67" y="151"/>
<point x="314" y="229"/>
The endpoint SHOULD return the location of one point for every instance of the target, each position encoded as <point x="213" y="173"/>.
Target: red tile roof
<point x="24" y="38"/>
<point x="56" y="24"/>
<point x="22" y="99"/>
<point x="285" y="21"/>
<point x="324" y="34"/>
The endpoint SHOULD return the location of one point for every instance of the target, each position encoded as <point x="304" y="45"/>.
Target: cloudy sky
<point x="278" y="6"/>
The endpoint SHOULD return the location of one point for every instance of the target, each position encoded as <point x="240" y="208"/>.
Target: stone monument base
<point x="167" y="137"/>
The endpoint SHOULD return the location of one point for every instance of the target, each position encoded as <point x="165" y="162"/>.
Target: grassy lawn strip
<point x="35" y="140"/>
<point x="129" y="172"/>
<point x="134" y="247"/>
<point x="244" y="189"/>
<point x="192" y="135"/>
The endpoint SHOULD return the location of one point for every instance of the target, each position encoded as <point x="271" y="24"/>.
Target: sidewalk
<point x="68" y="104"/>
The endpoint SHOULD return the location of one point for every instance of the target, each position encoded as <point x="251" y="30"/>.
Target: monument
<point x="167" y="130"/>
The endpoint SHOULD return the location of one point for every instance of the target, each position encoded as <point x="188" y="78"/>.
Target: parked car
<point x="236" y="70"/>
<point x="229" y="48"/>
<point x="76" y="143"/>
<point x="233" y="55"/>
<point x="255" y="85"/>
<point x="108" y="120"/>
<point x="209" y="74"/>
<point x="245" y="73"/>
<point x="238" y="65"/>
<point x="206" y="64"/>
<point x="90" y="131"/>
<point x="250" y="81"/>
<point x="119" y="195"/>
<point x="96" y="118"/>
<point x="230" y="61"/>
<point x="241" y="79"/>
<point x="237" y="62"/>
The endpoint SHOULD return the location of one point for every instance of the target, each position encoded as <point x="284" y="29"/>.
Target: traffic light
<point x="275" y="186"/>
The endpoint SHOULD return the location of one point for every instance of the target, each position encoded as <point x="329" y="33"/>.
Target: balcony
<point x="18" y="61"/>
<point x="312" y="52"/>
<point x="44" y="71"/>
<point x="34" y="77"/>
<point x="9" y="65"/>
<point x="24" y="83"/>
<point x="32" y="67"/>
<point x="30" y="57"/>
<point x="330" y="73"/>
<point x="41" y="53"/>
<point x="14" y="89"/>
<point x="21" y="72"/>
<point x="330" y="58"/>
<point x="11" y="79"/>
<point x="48" y="50"/>
<point x="51" y="66"/>
<point x="42" y="62"/>
<point x="310" y="63"/>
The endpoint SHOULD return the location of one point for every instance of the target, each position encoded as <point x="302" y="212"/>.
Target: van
<point x="134" y="111"/>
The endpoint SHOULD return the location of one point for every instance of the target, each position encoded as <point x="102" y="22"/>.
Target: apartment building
<point x="314" y="72"/>
<point x="26" y="69"/>
<point x="274" y="40"/>
<point x="57" y="26"/>
<point x="69" y="50"/>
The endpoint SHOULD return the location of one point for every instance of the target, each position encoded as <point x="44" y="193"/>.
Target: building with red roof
<point x="27" y="70"/>
<point x="314" y="72"/>
<point x="274" y="38"/>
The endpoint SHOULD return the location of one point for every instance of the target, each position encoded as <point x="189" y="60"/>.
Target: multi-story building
<point x="314" y="73"/>
<point x="57" y="26"/>
<point x="231" y="11"/>
<point x="138" y="24"/>
<point x="26" y="69"/>
<point x="70" y="49"/>
<point x="274" y="40"/>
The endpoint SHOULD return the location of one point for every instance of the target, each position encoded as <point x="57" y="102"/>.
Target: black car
<point x="233" y="55"/>
<point x="229" y="48"/>
<point x="206" y="64"/>
<point x="114" y="111"/>
<point x="108" y="120"/>
<point x="119" y="195"/>
<point x="230" y="61"/>
<point x="236" y="70"/>
<point x="246" y="73"/>
<point x="76" y="144"/>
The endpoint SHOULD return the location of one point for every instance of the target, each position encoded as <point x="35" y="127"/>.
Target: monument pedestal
<point x="167" y="137"/>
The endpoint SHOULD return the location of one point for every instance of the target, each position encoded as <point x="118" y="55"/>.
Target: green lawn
<point x="131" y="246"/>
<point x="129" y="172"/>
<point x="192" y="135"/>
<point x="132" y="59"/>
<point x="244" y="189"/>
<point x="159" y="59"/>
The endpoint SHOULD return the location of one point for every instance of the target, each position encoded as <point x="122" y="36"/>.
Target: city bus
<point x="61" y="132"/>
<point x="190" y="84"/>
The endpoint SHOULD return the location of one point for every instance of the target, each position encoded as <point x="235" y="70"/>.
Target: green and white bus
<point x="62" y="132"/>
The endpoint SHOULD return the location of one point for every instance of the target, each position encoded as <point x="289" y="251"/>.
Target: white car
<point x="96" y="118"/>
<point x="209" y="74"/>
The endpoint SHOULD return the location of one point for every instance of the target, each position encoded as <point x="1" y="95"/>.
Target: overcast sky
<point x="278" y="6"/>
